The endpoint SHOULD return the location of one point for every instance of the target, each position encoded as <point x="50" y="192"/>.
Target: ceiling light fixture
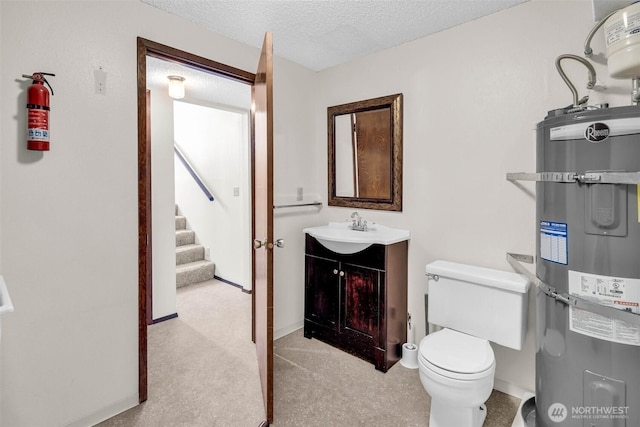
<point x="176" y="87"/>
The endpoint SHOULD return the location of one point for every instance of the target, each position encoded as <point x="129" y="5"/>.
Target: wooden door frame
<point x="149" y="48"/>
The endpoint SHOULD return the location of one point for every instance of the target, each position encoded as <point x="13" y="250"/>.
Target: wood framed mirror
<point x="365" y="154"/>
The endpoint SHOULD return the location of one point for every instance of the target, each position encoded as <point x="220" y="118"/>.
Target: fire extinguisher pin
<point x="40" y="77"/>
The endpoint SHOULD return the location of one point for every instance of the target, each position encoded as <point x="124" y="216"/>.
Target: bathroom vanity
<point x="357" y="301"/>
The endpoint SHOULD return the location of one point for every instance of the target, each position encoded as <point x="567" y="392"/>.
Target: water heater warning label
<point x="618" y="292"/>
<point x="553" y="242"/>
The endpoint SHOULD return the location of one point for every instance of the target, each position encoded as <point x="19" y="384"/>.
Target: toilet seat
<point x="456" y="355"/>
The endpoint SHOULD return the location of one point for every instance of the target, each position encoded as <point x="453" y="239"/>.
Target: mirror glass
<point x="365" y="154"/>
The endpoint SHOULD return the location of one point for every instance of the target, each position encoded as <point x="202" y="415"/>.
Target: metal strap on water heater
<point x="515" y="260"/>
<point x="573" y="177"/>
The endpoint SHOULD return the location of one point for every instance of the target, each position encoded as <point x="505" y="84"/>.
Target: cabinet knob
<point x="342" y="274"/>
<point x="335" y="271"/>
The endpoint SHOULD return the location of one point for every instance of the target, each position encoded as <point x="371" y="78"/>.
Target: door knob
<point x="257" y="244"/>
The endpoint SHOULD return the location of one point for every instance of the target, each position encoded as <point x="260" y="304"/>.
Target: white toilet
<point x="474" y="305"/>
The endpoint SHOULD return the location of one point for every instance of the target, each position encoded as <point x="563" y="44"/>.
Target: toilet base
<point x="443" y="415"/>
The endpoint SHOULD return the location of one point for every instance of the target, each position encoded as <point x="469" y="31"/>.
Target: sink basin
<point x="339" y="237"/>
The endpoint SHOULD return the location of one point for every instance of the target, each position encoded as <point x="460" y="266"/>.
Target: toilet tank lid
<point x="484" y="276"/>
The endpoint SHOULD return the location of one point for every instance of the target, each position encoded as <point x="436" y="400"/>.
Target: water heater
<point x="588" y="268"/>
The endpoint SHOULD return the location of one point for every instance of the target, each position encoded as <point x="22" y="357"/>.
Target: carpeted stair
<point x="191" y="267"/>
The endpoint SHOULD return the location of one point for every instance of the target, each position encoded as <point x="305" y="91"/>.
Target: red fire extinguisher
<point x="38" y="112"/>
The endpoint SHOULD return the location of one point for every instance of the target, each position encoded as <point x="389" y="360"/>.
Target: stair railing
<point x="193" y="173"/>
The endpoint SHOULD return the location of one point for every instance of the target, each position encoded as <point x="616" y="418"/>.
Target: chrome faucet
<point x="358" y="223"/>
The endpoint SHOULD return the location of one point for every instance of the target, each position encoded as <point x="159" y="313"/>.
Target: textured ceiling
<point x="319" y="34"/>
<point x="199" y="86"/>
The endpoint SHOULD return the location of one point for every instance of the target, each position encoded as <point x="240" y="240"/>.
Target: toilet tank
<point x="482" y="302"/>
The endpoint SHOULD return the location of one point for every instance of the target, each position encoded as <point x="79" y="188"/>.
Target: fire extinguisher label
<point x="38" y="125"/>
<point x="38" y="135"/>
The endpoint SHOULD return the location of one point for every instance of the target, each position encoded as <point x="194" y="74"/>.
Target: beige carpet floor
<point x="318" y="385"/>
<point x="203" y="373"/>
<point x="202" y="365"/>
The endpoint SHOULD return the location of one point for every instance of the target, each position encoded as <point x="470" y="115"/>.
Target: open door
<point x="262" y="186"/>
<point x="263" y="140"/>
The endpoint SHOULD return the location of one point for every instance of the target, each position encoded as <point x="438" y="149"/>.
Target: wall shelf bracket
<point x="628" y="317"/>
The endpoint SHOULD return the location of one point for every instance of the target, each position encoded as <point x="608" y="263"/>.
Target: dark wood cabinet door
<point x="361" y="297"/>
<point x="322" y="299"/>
<point x="358" y="302"/>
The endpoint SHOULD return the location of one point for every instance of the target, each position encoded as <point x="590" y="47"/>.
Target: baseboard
<point x="510" y="389"/>
<point x="106" y="412"/>
<point x="228" y="282"/>
<point x="163" y="318"/>
<point x="279" y="333"/>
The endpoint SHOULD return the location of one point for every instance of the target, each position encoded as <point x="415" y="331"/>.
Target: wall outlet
<point x="299" y="194"/>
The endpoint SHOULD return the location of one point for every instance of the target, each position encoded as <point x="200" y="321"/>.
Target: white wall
<point x="215" y="141"/>
<point x="163" y="223"/>
<point x="296" y="164"/>
<point x="69" y="217"/>
<point x="472" y="97"/>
